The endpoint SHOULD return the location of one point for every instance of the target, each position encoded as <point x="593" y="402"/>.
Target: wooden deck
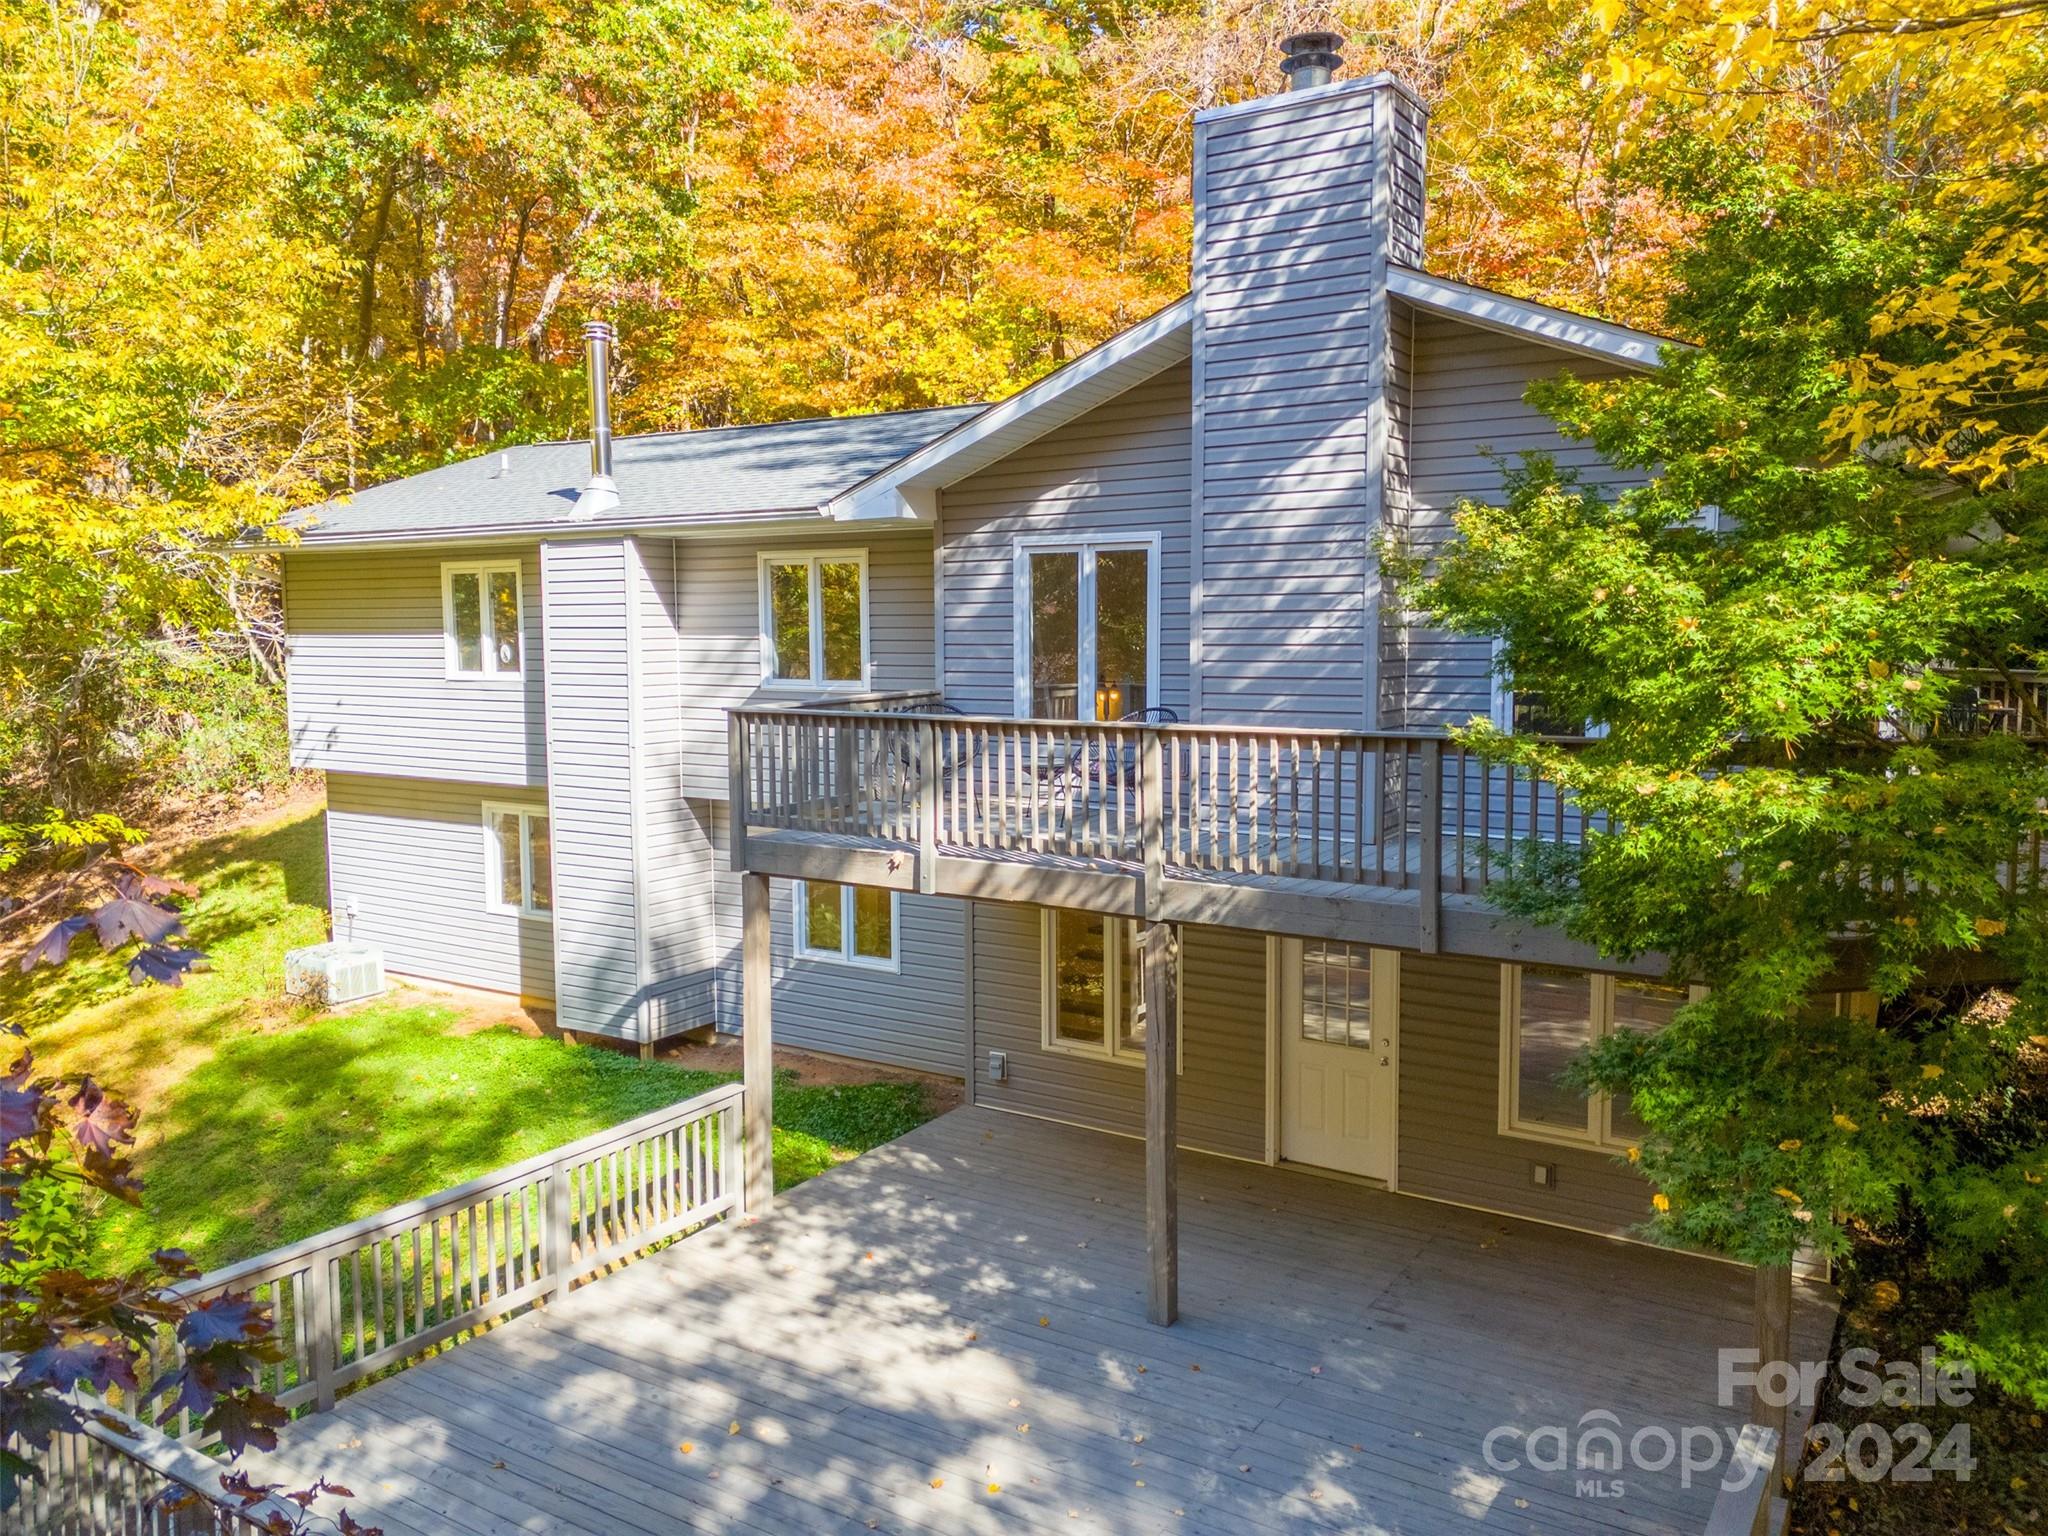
<point x="948" y="1335"/>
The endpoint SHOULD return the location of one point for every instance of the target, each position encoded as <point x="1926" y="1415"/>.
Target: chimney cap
<point x="1310" y="58"/>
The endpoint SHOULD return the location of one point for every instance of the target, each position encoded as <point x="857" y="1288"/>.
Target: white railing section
<point x="366" y="1297"/>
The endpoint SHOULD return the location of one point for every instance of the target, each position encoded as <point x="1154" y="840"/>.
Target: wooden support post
<point x="1159" y="960"/>
<point x="1773" y="1342"/>
<point x="757" y="1043"/>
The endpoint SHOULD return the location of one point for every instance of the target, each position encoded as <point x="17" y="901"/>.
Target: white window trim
<point x="1502" y="707"/>
<point x="816" y="682"/>
<point x="483" y="570"/>
<point x="800" y="930"/>
<point x="1113" y="982"/>
<point x="1027" y="544"/>
<point x="494" y="856"/>
<point x="1599" y="1132"/>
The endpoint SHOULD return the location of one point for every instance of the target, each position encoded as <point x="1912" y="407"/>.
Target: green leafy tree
<point x="1790" y="640"/>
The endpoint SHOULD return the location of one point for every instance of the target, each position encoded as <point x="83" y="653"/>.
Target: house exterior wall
<point x="409" y="853"/>
<point x="1295" y="223"/>
<point x="718" y="616"/>
<point x="367" y="689"/>
<point x="1469" y="423"/>
<point x="1451" y="1147"/>
<point x="1121" y="469"/>
<point x="915" y="1016"/>
<point x="1223" y="1038"/>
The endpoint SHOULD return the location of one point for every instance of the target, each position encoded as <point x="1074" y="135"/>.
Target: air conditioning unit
<point x="343" y="971"/>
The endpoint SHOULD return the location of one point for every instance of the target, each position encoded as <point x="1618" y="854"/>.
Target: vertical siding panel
<point x="367" y="689"/>
<point x="410" y="854"/>
<point x="679" y="958"/>
<point x="589" y="638"/>
<point x="1297" y="217"/>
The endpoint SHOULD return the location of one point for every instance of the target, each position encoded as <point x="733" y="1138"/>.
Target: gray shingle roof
<point x="720" y="475"/>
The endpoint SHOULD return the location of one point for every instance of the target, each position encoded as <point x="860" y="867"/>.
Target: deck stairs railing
<point x="363" y="1299"/>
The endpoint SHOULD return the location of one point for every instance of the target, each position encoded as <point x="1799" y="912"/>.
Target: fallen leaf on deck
<point x="733" y="1428"/>
<point x="687" y="1446"/>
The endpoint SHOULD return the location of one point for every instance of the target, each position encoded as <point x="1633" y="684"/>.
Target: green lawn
<point x="262" y="1122"/>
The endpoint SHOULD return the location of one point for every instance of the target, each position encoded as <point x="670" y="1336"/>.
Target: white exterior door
<point x="1339" y="1056"/>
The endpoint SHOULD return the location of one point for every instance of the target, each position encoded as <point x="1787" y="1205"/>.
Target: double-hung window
<point x="854" y="924"/>
<point x="481" y="618"/>
<point x="1549" y="1018"/>
<point x="1087" y="627"/>
<point x="1093" y="990"/>
<point x="814" y="619"/>
<point x="518" y="876"/>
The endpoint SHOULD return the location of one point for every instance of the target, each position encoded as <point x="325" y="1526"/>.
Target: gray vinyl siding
<point x="1223" y="1038"/>
<point x="1469" y="423"/>
<point x="1291" y="244"/>
<point x="1451" y="1146"/>
<point x="1120" y="469"/>
<point x="718" y="612"/>
<point x="367" y="688"/>
<point x="1407" y="184"/>
<point x="1399" y="513"/>
<point x="679" y="957"/>
<point x="915" y="1016"/>
<point x="590" y="793"/>
<point x="410" y="854"/>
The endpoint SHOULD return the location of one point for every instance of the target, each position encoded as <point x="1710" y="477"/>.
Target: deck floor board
<point x="1342" y="1354"/>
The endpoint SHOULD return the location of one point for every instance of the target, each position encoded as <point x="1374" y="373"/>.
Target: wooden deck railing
<point x="365" y="1297"/>
<point x="1409" y="811"/>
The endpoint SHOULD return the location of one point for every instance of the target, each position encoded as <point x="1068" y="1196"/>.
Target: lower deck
<point x="948" y="1335"/>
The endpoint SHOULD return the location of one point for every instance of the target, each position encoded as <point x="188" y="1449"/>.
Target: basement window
<point x="1549" y="1018"/>
<point x="518" y="861"/>
<point x="814" y="619"/>
<point x="853" y="924"/>
<point x="482" y="618"/>
<point x="1094" y="999"/>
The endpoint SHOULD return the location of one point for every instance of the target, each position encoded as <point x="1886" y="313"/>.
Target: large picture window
<point x="853" y="924"/>
<point x="481" y="619"/>
<point x="1550" y="1017"/>
<point x="1087" y="642"/>
<point x="518" y="867"/>
<point x="1093" y="990"/>
<point x="814" y="619"/>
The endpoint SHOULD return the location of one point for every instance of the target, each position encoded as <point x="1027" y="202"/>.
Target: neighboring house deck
<point x="948" y="1335"/>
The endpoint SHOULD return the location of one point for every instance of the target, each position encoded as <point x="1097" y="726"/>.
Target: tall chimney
<point x="600" y="495"/>
<point x="1310" y="59"/>
<point x="1304" y="200"/>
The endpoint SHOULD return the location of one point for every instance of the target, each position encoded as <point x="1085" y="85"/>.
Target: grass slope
<point x="262" y="1122"/>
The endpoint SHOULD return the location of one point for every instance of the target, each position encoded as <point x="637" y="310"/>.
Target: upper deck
<point x="1370" y="838"/>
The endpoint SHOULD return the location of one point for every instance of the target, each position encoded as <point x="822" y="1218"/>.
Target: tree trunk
<point x="366" y="282"/>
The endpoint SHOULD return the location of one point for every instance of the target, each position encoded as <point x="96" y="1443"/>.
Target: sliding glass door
<point x="1087" y="612"/>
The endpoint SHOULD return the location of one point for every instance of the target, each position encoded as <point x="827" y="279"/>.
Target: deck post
<point x="757" y="1044"/>
<point x="321" y="1333"/>
<point x="1773" y="1342"/>
<point x="927" y="806"/>
<point x="1430" y="850"/>
<point x="1159" y="961"/>
<point x="1152" y="819"/>
<point x="736" y="789"/>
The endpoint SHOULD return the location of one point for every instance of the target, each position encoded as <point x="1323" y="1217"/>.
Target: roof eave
<point x="1560" y="328"/>
<point x="795" y="519"/>
<point x="907" y="489"/>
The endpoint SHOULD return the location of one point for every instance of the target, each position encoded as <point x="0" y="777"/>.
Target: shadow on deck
<point x="948" y="1335"/>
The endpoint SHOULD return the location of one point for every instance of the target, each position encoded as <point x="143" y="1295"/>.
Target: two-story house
<point x="982" y="740"/>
